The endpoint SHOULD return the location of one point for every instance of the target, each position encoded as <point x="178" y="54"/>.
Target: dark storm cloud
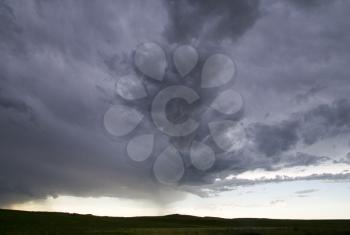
<point x="53" y="69"/>
<point x="323" y="121"/>
<point x="309" y="94"/>
<point x="232" y="183"/>
<point x="303" y="159"/>
<point x="59" y="61"/>
<point x="345" y="160"/>
<point x="16" y="105"/>
<point x="305" y="128"/>
<point x="209" y="20"/>
<point x="8" y="27"/>
<point x="250" y="160"/>
<point x="273" y="140"/>
<point x="274" y="146"/>
<point x="309" y="4"/>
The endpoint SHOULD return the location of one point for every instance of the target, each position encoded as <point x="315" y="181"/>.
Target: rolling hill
<point x="22" y="222"/>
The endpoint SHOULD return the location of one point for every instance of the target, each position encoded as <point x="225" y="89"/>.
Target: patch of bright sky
<point x="294" y="171"/>
<point x="337" y="147"/>
<point x="328" y="200"/>
<point x="277" y="200"/>
<point x="102" y="206"/>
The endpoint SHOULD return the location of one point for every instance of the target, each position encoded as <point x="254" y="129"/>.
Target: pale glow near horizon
<point x="279" y="200"/>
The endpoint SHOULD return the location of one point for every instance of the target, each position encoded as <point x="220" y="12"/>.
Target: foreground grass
<point x="20" y="222"/>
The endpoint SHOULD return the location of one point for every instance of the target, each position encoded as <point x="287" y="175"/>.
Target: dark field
<point x="20" y="222"/>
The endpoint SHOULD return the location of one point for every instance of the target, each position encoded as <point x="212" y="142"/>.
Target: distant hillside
<point x="22" y="222"/>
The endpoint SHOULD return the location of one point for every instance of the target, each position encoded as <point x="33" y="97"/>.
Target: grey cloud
<point x="232" y="184"/>
<point x="307" y="127"/>
<point x="303" y="159"/>
<point x="54" y="77"/>
<point x="274" y="202"/>
<point x="249" y="160"/>
<point x="209" y="20"/>
<point x="60" y="60"/>
<point x="325" y="120"/>
<point x="8" y="27"/>
<point x="275" y="139"/>
<point x="272" y="146"/>
<point x="14" y="104"/>
<point x="306" y="191"/>
<point x="309" y="94"/>
<point x="345" y="160"/>
<point x="309" y="4"/>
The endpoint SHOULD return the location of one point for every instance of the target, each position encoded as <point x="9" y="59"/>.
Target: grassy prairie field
<point x="21" y="222"/>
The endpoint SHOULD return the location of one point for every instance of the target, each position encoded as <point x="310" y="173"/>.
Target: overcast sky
<point x="60" y="61"/>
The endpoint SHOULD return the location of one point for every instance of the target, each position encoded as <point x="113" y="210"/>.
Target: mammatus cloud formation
<point x="61" y="59"/>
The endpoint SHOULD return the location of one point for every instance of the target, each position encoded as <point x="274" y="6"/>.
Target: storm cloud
<point x="210" y="21"/>
<point x="59" y="61"/>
